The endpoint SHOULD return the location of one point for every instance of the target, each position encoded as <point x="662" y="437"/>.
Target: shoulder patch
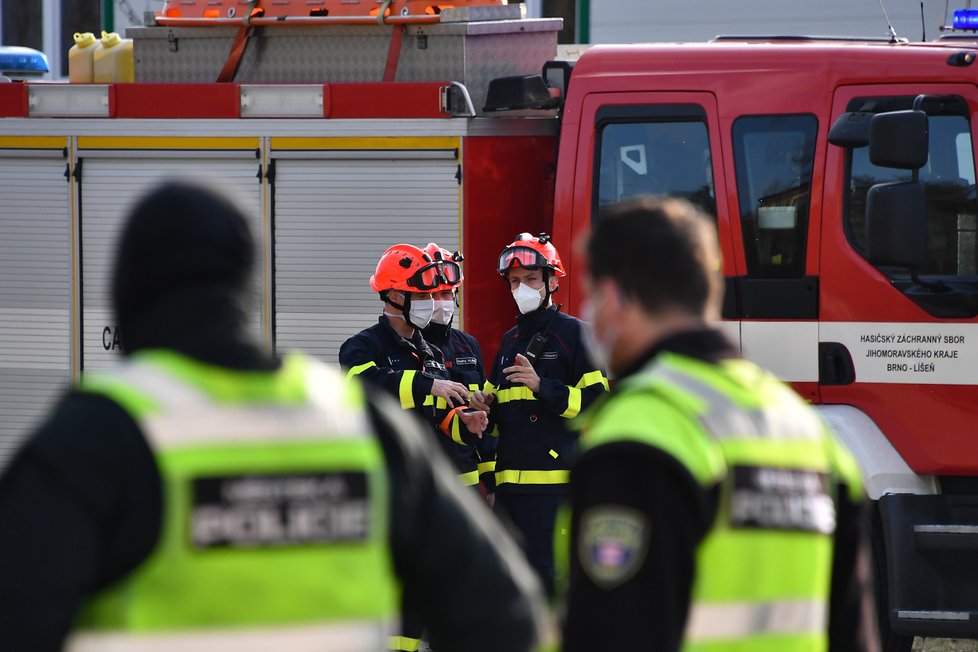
<point x="613" y="543"/>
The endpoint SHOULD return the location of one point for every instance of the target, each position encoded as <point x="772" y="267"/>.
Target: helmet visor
<point x="451" y="271"/>
<point x="427" y="278"/>
<point x="522" y="256"/>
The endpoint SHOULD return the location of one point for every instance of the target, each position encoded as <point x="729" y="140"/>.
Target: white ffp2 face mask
<point x="443" y="312"/>
<point x="527" y="299"/>
<point x="420" y="313"/>
<point x="598" y="351"/>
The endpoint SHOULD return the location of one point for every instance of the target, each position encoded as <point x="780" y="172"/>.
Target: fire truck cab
<point x="841" y="175"/>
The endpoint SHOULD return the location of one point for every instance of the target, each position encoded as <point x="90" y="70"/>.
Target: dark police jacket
<point x="534" y="429"/>
<point x="407" y="370"/>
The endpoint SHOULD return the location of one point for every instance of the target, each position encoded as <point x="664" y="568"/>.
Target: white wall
<point x="631" y="21"/>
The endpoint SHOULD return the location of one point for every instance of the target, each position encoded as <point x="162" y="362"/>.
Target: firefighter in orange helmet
<point x="394" y="355"/>
<point x="541" y="378"/>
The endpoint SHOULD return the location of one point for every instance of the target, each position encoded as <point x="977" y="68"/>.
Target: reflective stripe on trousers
<point x="742" y="620"/>
<point x="559" y="476"/>
<point x="354" y="637"/>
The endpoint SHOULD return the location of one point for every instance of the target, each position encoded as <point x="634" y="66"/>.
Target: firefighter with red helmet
<point x="541" y="378"/>
<point x="463" y="359"/>
<point x="394" y="355"/>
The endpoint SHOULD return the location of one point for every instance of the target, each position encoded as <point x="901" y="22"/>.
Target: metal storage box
<point x="470" y="52"/>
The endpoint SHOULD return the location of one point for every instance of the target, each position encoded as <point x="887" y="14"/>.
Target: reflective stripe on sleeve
<point x="359" y="637"/>
<point x="592" y="378"/>
<point x="456" y="430"/>
<point x="573" y="403"/>
<point x="439" y="402"/>
<point x="405" y="644"/>
<point x="512" y="476"/>
<point x="406" y="389"/>
<point x="510" y="394"/>
<point x="359" y="369"/>
<point x="740" y="620"/>
<point x="469" y="479"/>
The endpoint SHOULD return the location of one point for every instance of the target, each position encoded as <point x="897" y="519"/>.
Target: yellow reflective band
<point x="573" y="403"/>
<point x="512" y="476"/>
<point x="488" y="388"/>
<point x="405" y="644"/>
<point x="456" y="430"/>
<point x="593" y="378"/>
<point x="438" y="402"/>
<point x="520" y="393"/>
<point x="406" y="390"/>
<point x="553" y="453"/>
<point x="474" y="387"/>
<point x="469" y="479"/>
<point x="359" y="369"/>
<point x="487" y="467"/>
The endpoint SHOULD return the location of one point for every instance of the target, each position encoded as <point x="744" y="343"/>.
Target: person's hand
<point x="523" y="373"/>
<point x="454" y="393"/>
<point x="476" y="421"/>
<point x="480" y="401"/>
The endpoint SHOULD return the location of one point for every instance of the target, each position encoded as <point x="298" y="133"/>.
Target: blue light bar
<point x="23" y="61"/>
<point x="965" y="19"/>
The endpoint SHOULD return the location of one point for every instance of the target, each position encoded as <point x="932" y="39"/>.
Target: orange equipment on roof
<point x="307" y="12"/>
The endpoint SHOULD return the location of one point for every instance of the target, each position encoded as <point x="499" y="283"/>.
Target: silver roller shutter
<point x="110" y="185"/>
<point x="333" y="220"/>
<point x="35" y="291"/>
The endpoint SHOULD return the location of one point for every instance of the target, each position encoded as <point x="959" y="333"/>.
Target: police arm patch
<point x="613" y="543"/>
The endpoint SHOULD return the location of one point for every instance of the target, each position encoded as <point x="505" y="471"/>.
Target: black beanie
<point x="179" y="237"/>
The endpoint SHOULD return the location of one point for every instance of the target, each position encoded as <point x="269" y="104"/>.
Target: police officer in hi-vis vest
<point x="204" y="495"/>
<point x="711" y="508"/>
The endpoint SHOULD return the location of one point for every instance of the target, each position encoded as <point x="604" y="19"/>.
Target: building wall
<point x="625" y="21"/>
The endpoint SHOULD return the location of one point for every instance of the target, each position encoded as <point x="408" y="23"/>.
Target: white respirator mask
<point x="420" y="312"/>
<point x="527" y="299"/>
<point x="443" y="312"/>
<point x="598" y="350"/>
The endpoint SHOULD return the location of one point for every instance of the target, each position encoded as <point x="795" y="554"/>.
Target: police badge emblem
<point x="613" y="544"/>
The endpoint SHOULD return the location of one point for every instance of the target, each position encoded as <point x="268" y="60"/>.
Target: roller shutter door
<point x="333" y="219"/>
<point x="35" y="291"/>
<point x="110" y="185"/>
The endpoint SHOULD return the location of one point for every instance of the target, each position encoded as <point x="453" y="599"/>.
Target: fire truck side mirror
<point x="896" y="225"/>
<point x="899" y="139"/>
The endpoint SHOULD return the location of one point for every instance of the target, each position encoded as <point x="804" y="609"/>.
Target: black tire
<point x="889" y="640"/>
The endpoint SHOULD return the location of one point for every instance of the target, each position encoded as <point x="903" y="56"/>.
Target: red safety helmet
<point x="531" y="252"/>
<point x="406" y="268"/>
<point x="450" y="267"/>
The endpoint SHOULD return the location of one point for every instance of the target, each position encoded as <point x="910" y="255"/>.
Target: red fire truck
<point x="841" y="174"/>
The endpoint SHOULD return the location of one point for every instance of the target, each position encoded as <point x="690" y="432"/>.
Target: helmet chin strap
<point x="405" y="308"/>
<point x="547" y="275"/>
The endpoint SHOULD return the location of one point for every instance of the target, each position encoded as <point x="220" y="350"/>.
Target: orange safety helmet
<point x="450" y="268"/>
<point x="531" y="252"/>
<point x="406" y="268"/>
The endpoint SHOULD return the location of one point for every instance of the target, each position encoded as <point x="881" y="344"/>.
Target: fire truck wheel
<point x="889" y="640"/>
